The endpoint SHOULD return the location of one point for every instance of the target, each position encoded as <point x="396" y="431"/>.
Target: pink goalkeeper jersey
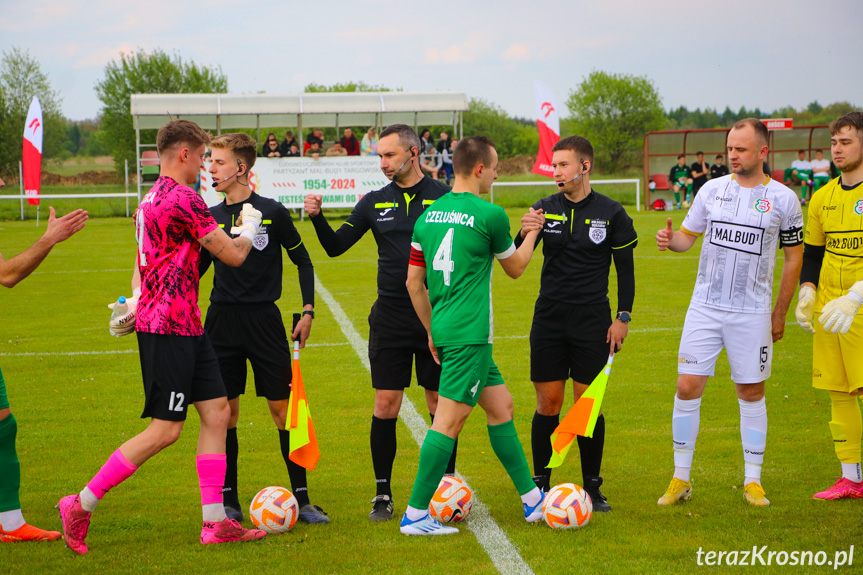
<point x="169" y="221"/>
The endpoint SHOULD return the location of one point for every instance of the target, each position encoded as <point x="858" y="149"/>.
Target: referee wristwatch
<point x="309" y="312"/>
<point x="624" y="316"/>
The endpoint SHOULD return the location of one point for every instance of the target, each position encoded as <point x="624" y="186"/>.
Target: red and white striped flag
<point x="33" y="152"/>
<point x="548" y="124"/>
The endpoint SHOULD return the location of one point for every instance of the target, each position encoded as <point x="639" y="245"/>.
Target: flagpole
<point x="21" y="183"/>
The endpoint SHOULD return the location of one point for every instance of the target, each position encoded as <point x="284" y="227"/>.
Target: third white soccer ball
<point x="567" y="506"/>
<point x="274" y="509"/>
<point x="451" y="501"/>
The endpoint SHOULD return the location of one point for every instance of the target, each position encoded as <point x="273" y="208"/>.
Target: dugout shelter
<point x="662" y="148"/>
<point x="228" y="112"/>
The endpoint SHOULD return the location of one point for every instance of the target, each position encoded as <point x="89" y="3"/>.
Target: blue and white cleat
<point x="425" y="526"/>
<point x="533" y="514"/>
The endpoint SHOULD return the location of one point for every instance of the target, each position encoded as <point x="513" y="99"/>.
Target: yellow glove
<point x="838" y="315"/>
<point x="805" y="308"/>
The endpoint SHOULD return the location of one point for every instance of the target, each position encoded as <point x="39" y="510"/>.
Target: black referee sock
<point x="383" y="444"/>
<point x="450" y="467"/>
<point x="297" y="473"/>
<point x="540" y="443"/>
<point x="590" y="449"/>
<point x="232" y="452"/>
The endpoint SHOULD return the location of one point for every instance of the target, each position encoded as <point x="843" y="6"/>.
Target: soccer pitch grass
<point x="77" y="395"/>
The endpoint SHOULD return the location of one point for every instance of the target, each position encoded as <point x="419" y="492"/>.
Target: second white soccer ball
<point x="567" y="506"/>
<point x="451" y="501"/>
<point x="274" y="509"/>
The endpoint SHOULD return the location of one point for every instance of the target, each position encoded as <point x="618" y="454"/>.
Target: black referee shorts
<point x="256" y="334"/>
<point x="568" y="341"/>
<point x="397" y="339"/>
<point x="178" y="370"/>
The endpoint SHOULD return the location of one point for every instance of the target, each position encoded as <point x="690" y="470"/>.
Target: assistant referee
<point x="572" y="332"/>
<point x="397" y="339"/>
<point x="243" y="320"/>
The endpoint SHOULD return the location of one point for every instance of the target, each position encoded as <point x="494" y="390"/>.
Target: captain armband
<point x="792" y="237"/>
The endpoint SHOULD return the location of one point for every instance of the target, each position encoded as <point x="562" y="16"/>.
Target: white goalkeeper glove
<point x="250" y="222"/>
<point x="838" y="315"/>
<point x="805" y="308"/>
<point x="125" y="324"/>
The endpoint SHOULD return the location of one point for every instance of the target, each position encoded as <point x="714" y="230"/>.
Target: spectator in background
<point x="718" y="169"/>
<point x="446" y="161"/>
<point x="426" y="140"/>
<point x="271" y="149"/>
<point x="698" y="172"/>
<point x="369" y="145"/>
<point x="680" y="177"/>
<point x="265" y="148"/>
<point x="314" y="150"/>
<point x="337" y="150"/>
<point x="350" y="143"/>
<point x="820" y="171"/>
<point x="285" y="146"/>
<point x="431" y="162"/>
<point x="444" y="143"/>
<point x="316" y="135"/>
<point x="800" y="173"/>
<point x="294" y="152"/>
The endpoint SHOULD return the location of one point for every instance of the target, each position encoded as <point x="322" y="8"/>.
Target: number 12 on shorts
<point x="175" y="403"/>
<point x="442" y="261"/>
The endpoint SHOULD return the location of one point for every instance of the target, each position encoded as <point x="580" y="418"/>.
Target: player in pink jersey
<point x="178" y="364"/>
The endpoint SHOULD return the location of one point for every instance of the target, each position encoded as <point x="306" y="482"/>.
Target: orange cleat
<point x="27" y="533"/>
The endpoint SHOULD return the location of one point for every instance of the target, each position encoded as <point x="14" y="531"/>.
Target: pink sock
<point x="211" y="476"/>
<point x="115" y="471"/>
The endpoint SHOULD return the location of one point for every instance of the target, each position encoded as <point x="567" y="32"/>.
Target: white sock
<point x="532" y="497"/>
<point x="213" y="512"/>
<point x="415" y="514"/>
<point x="850" y="471"/>
<point x="89" y="501"/>
<point x="685" y="420"/>
<point x="11" y="520"/>
<point x="753" y="436"/>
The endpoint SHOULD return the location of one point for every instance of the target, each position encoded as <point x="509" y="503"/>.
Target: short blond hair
<point x="240" y="144"/>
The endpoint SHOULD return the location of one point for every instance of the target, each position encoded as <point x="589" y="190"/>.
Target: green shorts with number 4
<point x="465" y="371"/>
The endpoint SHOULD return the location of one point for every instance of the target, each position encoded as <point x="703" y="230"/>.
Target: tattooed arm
<point x="231" y="251"/>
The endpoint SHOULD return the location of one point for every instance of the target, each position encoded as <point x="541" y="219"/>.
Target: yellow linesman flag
<point x="303" y="444"/>
<point x="581" y="418"/>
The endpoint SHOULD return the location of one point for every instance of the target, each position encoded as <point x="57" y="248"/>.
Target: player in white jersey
<point x="744" y="217"/>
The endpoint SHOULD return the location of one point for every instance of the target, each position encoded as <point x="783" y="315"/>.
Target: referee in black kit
<point x="243" y="321"/>
<point x="572" y="333"/>
<point x="397" y="339"/>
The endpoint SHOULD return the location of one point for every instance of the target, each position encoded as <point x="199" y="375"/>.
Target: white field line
<point x="123" y="351"/>
<point x="497" y="545"/>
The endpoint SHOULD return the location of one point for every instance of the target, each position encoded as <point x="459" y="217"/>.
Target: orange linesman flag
<point x="581" y="418"/>
<point x="303" y="444"/>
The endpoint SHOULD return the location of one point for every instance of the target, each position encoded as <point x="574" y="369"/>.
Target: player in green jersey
<point x="680" y="176"/>
<point x="458" y="238"/>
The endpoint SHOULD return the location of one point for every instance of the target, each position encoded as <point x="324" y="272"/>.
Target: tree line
<point x="614" y="111"/>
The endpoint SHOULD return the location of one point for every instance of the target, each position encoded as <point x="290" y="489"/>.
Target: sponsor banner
<point x="341" y="181"/>
<point x="548" y="124"/>
<point x="779" y="123"/>
<point x="32" y="153"/>
<point x="738" y="237"/>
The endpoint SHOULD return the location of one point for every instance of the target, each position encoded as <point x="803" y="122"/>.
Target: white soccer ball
<point x="686" y="204"/>
<point x="567" y="506"/>
<point x="274" y="509"/>
<point x="451" y="501"/>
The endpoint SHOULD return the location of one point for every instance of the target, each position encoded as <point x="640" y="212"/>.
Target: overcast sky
<point x="749" y="53"/>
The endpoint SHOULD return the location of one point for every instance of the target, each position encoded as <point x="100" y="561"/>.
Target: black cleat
<point x="234" y="512"/>
<point x="383" y="509"/>
<point x="312" y="514"/>
<point x="600" y="504"/>
<point x="542" y="481"/>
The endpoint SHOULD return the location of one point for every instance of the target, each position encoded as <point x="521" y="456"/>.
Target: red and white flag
<point x="548" y="124"/>
<point x="33" y="152"/>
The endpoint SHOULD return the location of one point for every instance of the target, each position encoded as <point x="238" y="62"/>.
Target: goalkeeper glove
<point x="125" y="324"/>
<point x="805" y="308"/>
<point x="838" y="315"/>
<point x="250" y="222"/>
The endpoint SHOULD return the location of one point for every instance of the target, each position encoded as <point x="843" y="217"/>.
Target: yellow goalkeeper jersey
<point x="836" y="222"/>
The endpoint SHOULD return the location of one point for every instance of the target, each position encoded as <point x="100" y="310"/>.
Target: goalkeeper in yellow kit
<point x="831" y="283"/>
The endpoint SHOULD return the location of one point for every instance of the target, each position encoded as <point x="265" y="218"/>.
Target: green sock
<point x="688" y="190"/>
<point x="10" y="469"/>
<point x="803" y="192"/>
<point x="434" y="456"/>
<point x="677" y="197"/>
<point x="507" y="447"/>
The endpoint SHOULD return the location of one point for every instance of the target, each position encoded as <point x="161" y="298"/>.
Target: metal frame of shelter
<point x="225" y="112"/>
<point x="664" y="147"/>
